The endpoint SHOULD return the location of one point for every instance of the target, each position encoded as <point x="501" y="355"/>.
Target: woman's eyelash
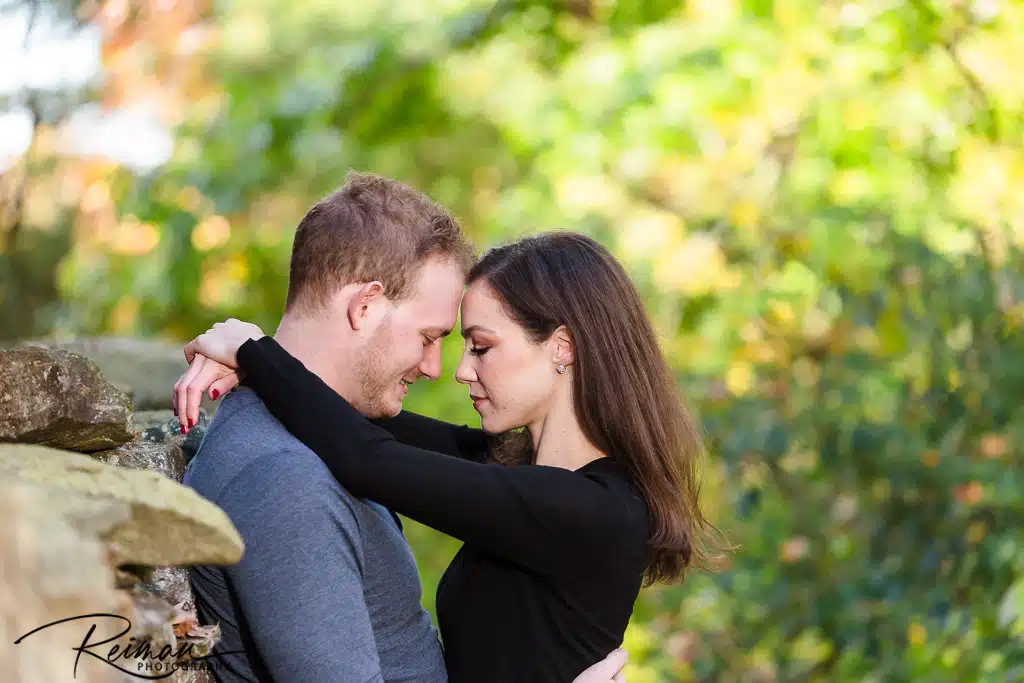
<point x="478" y="351"/>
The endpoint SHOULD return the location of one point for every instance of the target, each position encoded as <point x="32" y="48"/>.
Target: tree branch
<point x="981" y="96"/>
<point x="949" y="46"/>
<point x="21" y="189"/>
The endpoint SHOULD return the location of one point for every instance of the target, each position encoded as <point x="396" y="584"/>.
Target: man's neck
<point x="311" y="343"/>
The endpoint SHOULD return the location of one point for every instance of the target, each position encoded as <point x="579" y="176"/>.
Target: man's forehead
<point x="435" y="313"/>
<point x="434" y="302"/>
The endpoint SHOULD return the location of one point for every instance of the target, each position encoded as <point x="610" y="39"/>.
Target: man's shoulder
<point x="245" y="445"/>
<point x="285" y="497"/>
<point x="244" y="422"/>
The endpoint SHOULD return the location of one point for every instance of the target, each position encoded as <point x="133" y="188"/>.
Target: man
<point x="328" y="589"/>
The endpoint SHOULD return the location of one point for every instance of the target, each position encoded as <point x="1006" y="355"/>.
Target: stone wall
<point x="96" y="520"/>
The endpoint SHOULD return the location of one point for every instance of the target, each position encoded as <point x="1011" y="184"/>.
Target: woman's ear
<point x="359" y="305"/>
<point x="563" y="346"/>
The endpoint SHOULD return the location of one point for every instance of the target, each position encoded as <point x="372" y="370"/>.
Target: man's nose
<point x="431" y="365"/>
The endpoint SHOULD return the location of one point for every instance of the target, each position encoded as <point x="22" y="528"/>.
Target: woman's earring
<point x="560" y="369"/>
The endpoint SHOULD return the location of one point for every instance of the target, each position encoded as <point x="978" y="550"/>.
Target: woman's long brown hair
<point x="625" y="398"/>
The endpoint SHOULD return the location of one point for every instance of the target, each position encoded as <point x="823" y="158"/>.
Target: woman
<point x="563" y="522"/>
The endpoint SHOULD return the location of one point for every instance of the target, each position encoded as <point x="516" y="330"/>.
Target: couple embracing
<point x="578" y="487"/>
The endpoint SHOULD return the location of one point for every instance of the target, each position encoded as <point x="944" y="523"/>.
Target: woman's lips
<point x="477" y="402"/>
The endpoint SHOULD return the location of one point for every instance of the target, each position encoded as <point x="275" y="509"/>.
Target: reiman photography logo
<point x="137" y="658"/>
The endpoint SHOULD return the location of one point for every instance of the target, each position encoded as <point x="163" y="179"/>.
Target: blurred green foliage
<point x="820" y="202"/>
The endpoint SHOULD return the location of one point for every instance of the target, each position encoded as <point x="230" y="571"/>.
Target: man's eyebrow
<point x="475" y="328"/>
<point x="437" y="331"/>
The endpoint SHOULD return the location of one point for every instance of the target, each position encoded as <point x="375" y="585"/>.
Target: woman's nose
<point x="465" y="374"/>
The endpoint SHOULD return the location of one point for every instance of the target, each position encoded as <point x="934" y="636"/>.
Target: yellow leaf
<point x="134" y="238"/>
<point x="995" y="445"/>
<point x="745" y="214"/>
<point x="122" y="318"/>
<point x="891" y="333"/>
<point x="711" y="11"/>
<point x="578" y="195"/>
<point x="794" y="549"/>
<point x="857" y="115"/>
<point x="739" y="378"/>
<point x="694" y="267"/>
<point x="850" y="186"/>
<point x="211" y="233"/>
<point x="648" y="233"/>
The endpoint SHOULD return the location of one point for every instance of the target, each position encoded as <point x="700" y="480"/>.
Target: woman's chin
<point x="489" y="424"/>
<point x="493" y="424"/>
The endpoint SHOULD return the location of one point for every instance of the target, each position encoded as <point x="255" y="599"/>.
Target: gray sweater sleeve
<point x="299" y="583"/>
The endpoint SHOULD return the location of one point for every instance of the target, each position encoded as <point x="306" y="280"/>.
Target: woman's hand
<point x="213" y="363"/>
<point x="201" y="375"/>
<point x="221" y="342"/>
<point x="608" y="670"/>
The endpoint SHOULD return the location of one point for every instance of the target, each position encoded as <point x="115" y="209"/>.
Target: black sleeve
<point x="462" y="441"/>
<point x="550" y="519"/>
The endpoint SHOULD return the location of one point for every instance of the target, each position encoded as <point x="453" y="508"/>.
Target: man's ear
<point x="563" y="346"/>
<point x="361" y="302"/>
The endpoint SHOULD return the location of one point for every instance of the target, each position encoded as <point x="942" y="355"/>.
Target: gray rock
<point x="153" y="619"/>
<point x="165" y="458"/>
<point x="144" y="420"/>
<point x="50" y="572"/>
<point x="191" y="676"/>
<point x="58" y="398"/>
<point x="171" y="584"/>
<point x="161" y="426"/>
<point x="131" y="575"/>
<point x="162" y="624"/>
<point x="53" y="571"/>
<point x="145" y="369"/>
<point x="168" y="523"/>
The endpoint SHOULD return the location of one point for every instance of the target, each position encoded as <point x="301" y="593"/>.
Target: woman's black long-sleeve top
<point x="552" y="561"/>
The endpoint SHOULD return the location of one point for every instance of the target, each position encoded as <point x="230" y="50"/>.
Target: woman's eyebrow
<point x="466" y="331"/>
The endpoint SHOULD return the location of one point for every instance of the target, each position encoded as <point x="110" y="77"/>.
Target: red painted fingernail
<point x="191" y="423"/>
<point x="215" y="394"/>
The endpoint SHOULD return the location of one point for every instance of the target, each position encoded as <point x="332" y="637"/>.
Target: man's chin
<point x="387" y="408"/>
<point x="381" y="408"/>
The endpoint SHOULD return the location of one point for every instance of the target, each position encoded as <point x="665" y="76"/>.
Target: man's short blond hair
<point x="371" y="228"/>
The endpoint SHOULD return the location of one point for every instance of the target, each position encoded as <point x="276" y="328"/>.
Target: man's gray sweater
<point x="328" y="590"/>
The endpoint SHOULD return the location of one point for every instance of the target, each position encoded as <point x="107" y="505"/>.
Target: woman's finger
<point x="174" y="395"/>
<point x="210" y="373"/>
<point x="223" y="385"/>
<point x="607" y="669"/>
<point x="182" y="390"/>
<point x="190" y="350"/>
